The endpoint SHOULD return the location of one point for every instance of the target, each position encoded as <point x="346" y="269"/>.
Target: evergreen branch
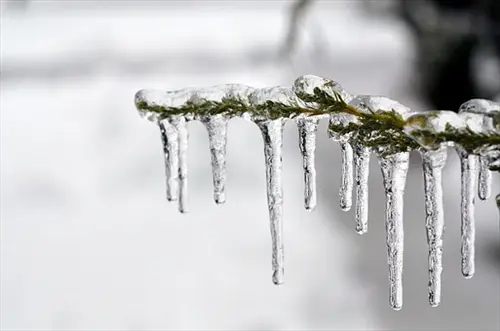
<point x="385" y="131"/>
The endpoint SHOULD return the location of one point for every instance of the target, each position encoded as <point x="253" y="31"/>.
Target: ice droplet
<point x="394" y="169"/>
<point x="170" y="144"/>
<point x="484" y="187"/>
<point x="433" y="162"/>
<point x="217" y="137"/>
<point x="468" y="182"/>
<point x="307" y="127"/>
<point x="362" y="162"/>
<point x="179" y="123"/>
<point x="272" y="134"/>
<point x="346" y="174"/>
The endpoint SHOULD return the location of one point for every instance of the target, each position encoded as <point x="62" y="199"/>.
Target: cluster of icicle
<point x="394" y="167"/>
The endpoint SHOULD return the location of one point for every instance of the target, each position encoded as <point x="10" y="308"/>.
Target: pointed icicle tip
<point x="362" y="163"/>
<point x="169" y="138"/>
<point x="308" y="127"/>
<point x="394" y="170"/>
<point x="216" y="126"/>
<point x="468" y="222"/>
<point x="346" y="185"/>
<point x="432" y="164"/>
<point x="272" y="134"/>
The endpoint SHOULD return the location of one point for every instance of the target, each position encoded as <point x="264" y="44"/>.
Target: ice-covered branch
<point x="361" y="124"/>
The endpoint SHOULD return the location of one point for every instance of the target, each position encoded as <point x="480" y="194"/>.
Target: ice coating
<point x="217" y="138"/>
<point x="179" y="123"/>
<point x="362" y="164"/>
<point x="379" y="104"/>
<point x="482" y="115"/>
<point x="272" y="134"/>
<point x="433" y="162"/>
<point x="170" y="144"/>
<point x="468" y="182"/>
<point x="433" y="121"/>
<point x="346" y="182"/>
<point x="482" y="111"/>
<point x="394" y="170"/>
<point x="307" y="127"/>
<point x="270" y="107"/>
<point x="305" y="85"/>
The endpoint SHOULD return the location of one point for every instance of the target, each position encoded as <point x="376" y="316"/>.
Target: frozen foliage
<point x="361" y="124"/>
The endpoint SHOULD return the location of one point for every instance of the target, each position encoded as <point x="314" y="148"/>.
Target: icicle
<point x="170" y="152"/>
<point x="272" y="133"/>
<point x="217" y="136"/>
<point x="433" y="162"/>
<point x="484" y="187"/>
<point x="362" y="162"/>
<point x="179" y="122"/>
<point x="346" y="176"/>
<point x="469" y="174"/>
<point x="307" y="145"/>
<point x="394" y="170"/>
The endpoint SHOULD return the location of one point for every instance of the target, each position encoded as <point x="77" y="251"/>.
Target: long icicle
<point x="346" y="184"/>
<point x="484" y="185"/>
<point x="468" y="182"/>
<point x="170" y="153"/>
<point x="307" y="144"/>
<point x="362" y="163"/>
<point x="394" y="171"/>
<point x="432" y="164"/>
<point x="272" y="133"/>
<point x="179" y="122"/>
<point x="217" y="137"/>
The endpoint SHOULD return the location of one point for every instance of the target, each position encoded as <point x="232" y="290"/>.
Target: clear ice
<point x="468" y="182"/>
<point x="481" y="116"/>
<point x="217" y="138"/>
<point x="179" y="123"/>
<point x="346" y="183"/>
<point x="477" y="115"/>
<point x="394" y="169"/>
<point x="272" y="134"/>
<point x="433" y="162"/>
<point x="362" y="163"/>
<point x="307" y="127"/>
<point x="484" y="185"/>
<point x="170" y="144"/>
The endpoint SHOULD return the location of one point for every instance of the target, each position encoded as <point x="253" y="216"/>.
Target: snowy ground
<point x="87" y="238"/>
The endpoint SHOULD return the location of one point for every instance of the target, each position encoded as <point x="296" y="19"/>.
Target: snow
<point x="87" y="238"/>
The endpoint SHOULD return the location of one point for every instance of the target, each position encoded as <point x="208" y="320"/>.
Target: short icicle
<point x="307" y="144"/>
<point x="394" y="170"/>
<point x="217" y="136"/>
<point x="469" y="173"/>
<point x="433" y="162"/>
<point x="171" y="155"/>
<point x="180" y="124"/>
<point x="346" y="183"/>
<point x="362" y="163"/>
<point x="272" y="133"/>
<point x="484" y="185"/>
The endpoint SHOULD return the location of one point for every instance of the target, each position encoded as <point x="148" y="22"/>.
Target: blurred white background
<point x="88" y="240"/>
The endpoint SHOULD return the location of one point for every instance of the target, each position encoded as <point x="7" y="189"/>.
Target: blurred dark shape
<point x="450" y="36"/>
<point x="457" y="45"/>
<point x="298" y="9"/>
